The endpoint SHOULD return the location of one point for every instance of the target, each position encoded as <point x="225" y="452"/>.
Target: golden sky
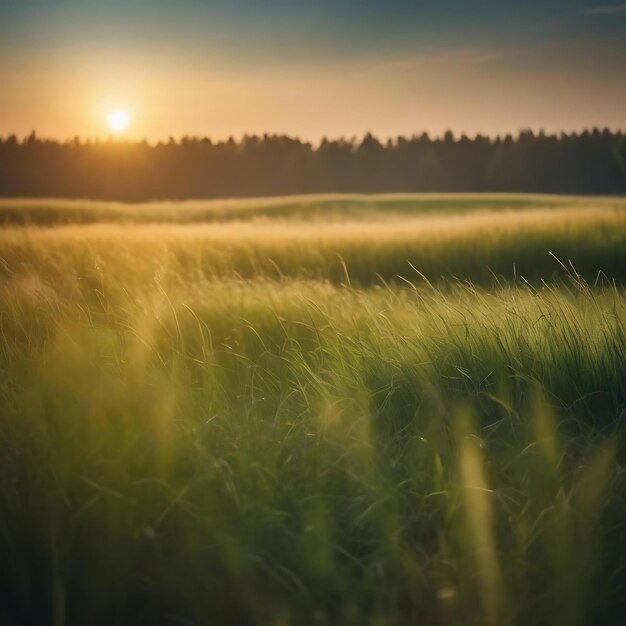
<point x="309" y="69"/>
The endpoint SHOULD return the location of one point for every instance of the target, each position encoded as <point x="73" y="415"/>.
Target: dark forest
<point x="591" y="162"/>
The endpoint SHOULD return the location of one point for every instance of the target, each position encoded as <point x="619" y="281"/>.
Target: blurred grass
<point x="474" y="245"/>
<point x="186" y="439"/>
<point x="320" y="207"/>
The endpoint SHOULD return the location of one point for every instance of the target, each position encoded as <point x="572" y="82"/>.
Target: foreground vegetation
<point x="263" y="423"/>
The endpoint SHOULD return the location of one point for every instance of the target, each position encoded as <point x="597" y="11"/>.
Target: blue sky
<point x="311" y="68"/>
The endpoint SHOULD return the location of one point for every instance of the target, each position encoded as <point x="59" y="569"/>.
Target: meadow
<point x="326" y="410"/>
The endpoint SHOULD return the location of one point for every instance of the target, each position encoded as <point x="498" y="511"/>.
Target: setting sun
<point x="118" y="120"/>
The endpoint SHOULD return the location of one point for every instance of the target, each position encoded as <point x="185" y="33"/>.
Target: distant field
<point x="382" y="410"/>
<point x="340" y="207"/>
<point x="356" y="239"/>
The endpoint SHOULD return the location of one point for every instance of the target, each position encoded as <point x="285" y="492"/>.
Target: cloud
<point x="606" y="9"/>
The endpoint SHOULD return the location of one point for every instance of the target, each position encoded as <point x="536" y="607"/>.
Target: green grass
<point x="472" y="245"/>
<point x="262" y="424"/>
<point x="47" y="212"/>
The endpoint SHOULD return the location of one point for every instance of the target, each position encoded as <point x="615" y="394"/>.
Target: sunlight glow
<point x="118" y="120"/>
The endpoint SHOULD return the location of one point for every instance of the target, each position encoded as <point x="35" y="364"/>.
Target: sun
<point x="118" y="120"/>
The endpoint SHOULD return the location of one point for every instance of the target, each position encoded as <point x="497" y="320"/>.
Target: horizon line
<point x="354" y="138"/>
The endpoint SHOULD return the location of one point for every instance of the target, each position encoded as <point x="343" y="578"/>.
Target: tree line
<point x="589" y="162"/>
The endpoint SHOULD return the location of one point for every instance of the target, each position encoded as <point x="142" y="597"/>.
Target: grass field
<point x="343" y="410"/>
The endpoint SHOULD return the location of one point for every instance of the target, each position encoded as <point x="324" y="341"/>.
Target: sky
<point x="311" y="68"/>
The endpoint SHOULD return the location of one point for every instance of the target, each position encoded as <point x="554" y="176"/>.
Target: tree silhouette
<point x="591" y="162"/>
